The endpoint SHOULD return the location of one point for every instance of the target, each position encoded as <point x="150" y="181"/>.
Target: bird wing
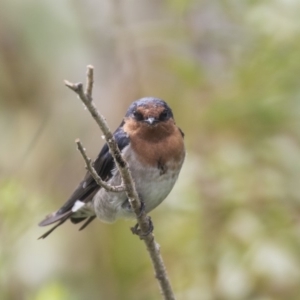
<point x="104" y="164"/>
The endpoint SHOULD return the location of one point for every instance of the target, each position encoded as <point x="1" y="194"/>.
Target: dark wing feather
<point x="182" y="133"/>
<point x="87" y="188"/>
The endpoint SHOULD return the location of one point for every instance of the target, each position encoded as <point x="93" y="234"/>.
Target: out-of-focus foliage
<point x="230" y="71"/>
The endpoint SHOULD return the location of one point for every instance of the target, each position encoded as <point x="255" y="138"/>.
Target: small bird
<point x="153" y="147"/>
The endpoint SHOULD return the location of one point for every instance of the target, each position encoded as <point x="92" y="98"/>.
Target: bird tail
<point x="53" y="218"/>
<point x="62" y="218"/>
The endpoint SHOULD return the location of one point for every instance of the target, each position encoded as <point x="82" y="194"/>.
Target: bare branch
<point x="91" y="169"/>
<point x="144" y="222"/>
<point x="89" y="81"/>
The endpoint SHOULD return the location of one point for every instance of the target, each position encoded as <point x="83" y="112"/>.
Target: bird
<point x="152" y="145"/>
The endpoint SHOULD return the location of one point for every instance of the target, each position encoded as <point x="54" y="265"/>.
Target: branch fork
<point x="91" y="169"/>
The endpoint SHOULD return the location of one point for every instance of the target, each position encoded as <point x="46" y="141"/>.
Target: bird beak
<point x="151" y="120"/>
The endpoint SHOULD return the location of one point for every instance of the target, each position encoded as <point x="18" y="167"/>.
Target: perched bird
<point x="153" y="147"/>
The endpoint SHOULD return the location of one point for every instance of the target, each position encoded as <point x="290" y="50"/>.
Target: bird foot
<point x="136" y="229"/>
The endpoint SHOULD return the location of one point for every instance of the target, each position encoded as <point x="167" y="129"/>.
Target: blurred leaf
<point x="53" y="290"/>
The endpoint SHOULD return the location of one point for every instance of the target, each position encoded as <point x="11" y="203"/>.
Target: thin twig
<point x="91" y="169"/>
<point x="142" y="218"/>
<point x="89" y="81"/>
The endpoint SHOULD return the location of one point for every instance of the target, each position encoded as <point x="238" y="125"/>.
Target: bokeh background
<point x="230" y="70"/>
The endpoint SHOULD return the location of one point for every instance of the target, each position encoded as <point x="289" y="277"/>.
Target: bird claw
<point x="136" y="230"/>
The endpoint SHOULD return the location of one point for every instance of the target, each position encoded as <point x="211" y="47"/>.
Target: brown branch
<point x="91" y="169"/>
<point x="144" y="221"/>
<point x="89" y="81"/>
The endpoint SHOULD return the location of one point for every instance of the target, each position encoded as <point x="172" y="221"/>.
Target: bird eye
<point x="163" y="116"/>
<point x="138" y="116"/>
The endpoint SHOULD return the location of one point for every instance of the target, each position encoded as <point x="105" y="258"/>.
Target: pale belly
<point x="152" y="184"/>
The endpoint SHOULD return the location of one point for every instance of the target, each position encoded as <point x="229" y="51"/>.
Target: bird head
<point x="149" y="111"/>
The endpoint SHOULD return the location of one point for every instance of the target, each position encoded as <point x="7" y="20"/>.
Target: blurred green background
<point x="230" y="71"/>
